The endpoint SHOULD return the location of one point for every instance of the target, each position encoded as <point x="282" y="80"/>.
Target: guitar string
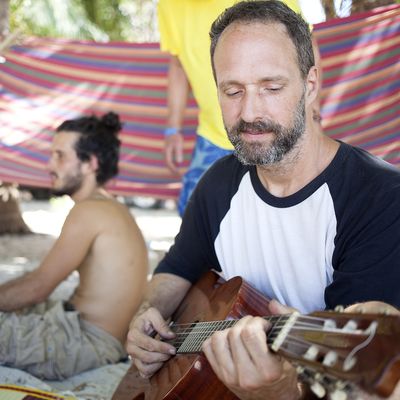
<point x="199" y="329"/>
<point x="191" y="325"/>
<point x="287" y="348"/>
<point x="292" y="347"/>
<point x="196" y="343"/>
<point x="301" y="322"/>
<point x="211" y="324"/>
<point x="197" y="335"/>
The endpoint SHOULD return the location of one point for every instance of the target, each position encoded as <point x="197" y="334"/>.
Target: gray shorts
<point x="52" y="343"/>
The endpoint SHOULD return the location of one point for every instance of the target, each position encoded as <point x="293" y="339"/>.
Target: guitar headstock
<point x="333" y="350"/>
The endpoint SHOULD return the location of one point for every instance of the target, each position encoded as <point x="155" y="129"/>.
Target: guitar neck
<point x="361" y="348"/>
<point x="190" y="337"/>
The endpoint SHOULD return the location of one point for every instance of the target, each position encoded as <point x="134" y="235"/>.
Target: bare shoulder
<point x="104" y="208"/>
<point x="101" y="216"/>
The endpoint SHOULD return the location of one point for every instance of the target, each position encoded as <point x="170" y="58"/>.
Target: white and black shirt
<point x="336" y="241"/>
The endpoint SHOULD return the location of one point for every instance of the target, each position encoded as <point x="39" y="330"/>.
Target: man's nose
<point x="252" y="107"/>
<point x="50" y="164"/>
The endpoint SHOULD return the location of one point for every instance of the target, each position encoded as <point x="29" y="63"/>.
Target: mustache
<point x="257" y="127"/>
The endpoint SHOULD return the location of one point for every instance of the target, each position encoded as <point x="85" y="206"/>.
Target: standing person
<point x="309" y="221"/>
<point x="101" y="240"/>
<point x="184" y="26"/>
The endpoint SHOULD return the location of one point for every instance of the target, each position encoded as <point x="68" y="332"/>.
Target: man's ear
<point x="92" y="164"/>
<point x="312" y="85"/>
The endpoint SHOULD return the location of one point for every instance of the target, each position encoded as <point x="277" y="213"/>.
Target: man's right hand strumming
<point x="147" y="351"/>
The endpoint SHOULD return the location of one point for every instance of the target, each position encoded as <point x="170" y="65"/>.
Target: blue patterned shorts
<point x="205" y="154"/>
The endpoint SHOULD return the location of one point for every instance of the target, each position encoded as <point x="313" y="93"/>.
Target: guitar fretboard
<point x="190" y="337"/>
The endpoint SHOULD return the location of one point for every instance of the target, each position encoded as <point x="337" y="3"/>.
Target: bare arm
<point x="65" y="256"/>
<point x="178" y="91"/>
<point x="163" y="296"/>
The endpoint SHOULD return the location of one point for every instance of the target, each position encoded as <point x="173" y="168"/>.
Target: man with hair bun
<point x="101" y="240"/>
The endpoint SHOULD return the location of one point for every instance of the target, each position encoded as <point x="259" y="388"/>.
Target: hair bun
<point x="112" y="122"/>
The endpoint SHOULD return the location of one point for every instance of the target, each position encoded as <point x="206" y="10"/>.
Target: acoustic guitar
<point x="333" y="351"/>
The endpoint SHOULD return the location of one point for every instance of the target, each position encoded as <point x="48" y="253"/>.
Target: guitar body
<point x="335" y="351"/>
<point x="190" y="376"/>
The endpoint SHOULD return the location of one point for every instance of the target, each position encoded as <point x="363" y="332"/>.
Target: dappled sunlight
<point x="11" y="271"/>
<point x="158" y="226"/>
<point x="46" y="217"/>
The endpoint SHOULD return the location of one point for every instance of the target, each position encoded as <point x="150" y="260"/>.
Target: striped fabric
<point x="360" y="58"/>
<point x="13" y="392"/>
<point x="45" y="81"/>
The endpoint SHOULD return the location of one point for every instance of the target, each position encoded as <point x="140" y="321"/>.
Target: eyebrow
<point x="267" y="79"/>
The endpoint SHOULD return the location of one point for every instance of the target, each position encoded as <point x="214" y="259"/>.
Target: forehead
<point x="64" y="141"/>
<point x="255" y="48"/>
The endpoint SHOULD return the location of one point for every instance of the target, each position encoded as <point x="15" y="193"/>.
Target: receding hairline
<point x="270" y="23"/>
<point x="261" y="22"/>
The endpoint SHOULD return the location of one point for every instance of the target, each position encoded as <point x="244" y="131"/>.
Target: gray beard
<point x="285" y="140"/>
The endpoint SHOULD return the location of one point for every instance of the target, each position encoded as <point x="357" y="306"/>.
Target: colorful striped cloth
<point x="14" y="392"/>
<point x="45" y="81"/>
<point x="360" y="58"/>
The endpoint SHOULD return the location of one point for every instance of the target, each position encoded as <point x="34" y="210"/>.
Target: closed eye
<point x="232" y="93"/>
<point x="274" y="89"/>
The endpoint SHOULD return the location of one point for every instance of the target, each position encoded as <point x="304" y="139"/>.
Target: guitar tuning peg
<point x="300" y="369"/>
<point x="338" y="395"/>
<point x="311" y="353"/>
<point x="330" y="359"/>
<point x="349" y="363"/>
<point x="350" y="326"/>
<point x="329" y="324"/>
<point x="318" y="389"/>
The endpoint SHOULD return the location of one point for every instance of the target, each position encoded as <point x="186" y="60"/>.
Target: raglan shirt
<point x="334" y="242"/>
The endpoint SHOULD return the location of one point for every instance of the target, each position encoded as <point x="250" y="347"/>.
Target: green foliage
<point x="100" y="20"/>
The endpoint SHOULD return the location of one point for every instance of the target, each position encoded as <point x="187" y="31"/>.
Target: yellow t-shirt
<point x="184" y="29"/>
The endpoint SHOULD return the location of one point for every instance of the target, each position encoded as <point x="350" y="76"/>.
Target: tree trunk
<point x="329" y="9"/>
<point x="11" y="220"/>
<point x="357" y="6"/>
<point x="366" y="5"/>
<point x="4" y="18"/>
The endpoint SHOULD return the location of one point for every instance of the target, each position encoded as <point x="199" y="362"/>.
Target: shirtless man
<point x="100" y="239"/>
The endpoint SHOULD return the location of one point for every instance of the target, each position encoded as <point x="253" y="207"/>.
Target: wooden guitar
<point x="332" y="351"/>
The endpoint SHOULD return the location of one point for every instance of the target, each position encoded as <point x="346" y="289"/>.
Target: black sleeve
<point x="367" y="250"/>
<point x="192" y="253"/>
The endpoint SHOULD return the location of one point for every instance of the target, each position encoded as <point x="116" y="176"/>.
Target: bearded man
<point x="309" y="221"/>
<point x="101" y="240"/>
